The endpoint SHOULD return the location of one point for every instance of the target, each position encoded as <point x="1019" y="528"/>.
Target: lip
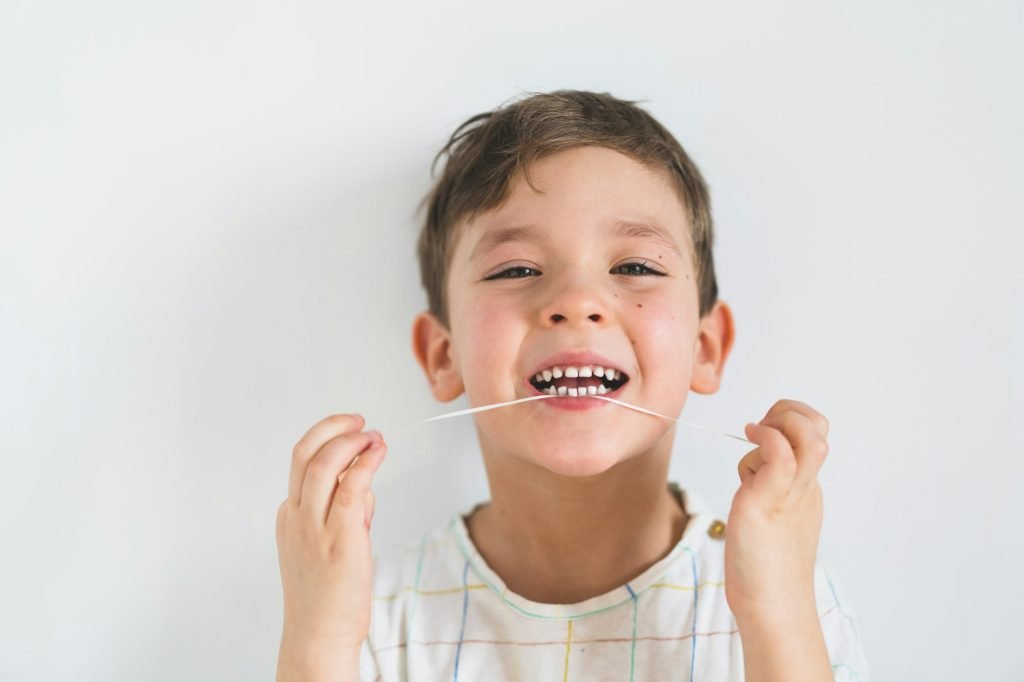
<point x="578" y="358"/>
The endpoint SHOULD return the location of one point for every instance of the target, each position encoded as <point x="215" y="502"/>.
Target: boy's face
<point x="576" y="284"/>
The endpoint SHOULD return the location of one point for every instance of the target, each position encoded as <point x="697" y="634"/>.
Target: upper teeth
<point x="573" y="371"/>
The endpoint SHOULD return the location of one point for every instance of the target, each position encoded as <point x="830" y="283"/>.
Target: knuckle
<point x="320" y="468"/>
<point x="798" y="405"/>
<point x="787" y="420"/>
<point x="357" y="480"/>
<point x="344" y="420"/>
<point x="776" y="438"/>
<point x="821" y="448"/>
<point x="782" y="405"/>
<point x="343" y="498"/>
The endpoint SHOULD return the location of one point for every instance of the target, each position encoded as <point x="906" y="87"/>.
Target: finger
<point x="775" y="477"/>
<point x="369" y="504"/>
<point x="817" y="418"/>
<point x="809" y="446"/>
<point x="311" y="442"/>
<point x="323" y="471"/>
<point x="749" y="464"/>
<point x="349" y="503"/>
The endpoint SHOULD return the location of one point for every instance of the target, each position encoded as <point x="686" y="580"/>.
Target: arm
<point x="790" y="648"/>
<point x="771" y="547"/>
<point x="323" y="540"/>
<point x="300" y="660"/>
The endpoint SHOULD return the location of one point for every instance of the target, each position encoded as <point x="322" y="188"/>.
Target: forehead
<point x="592" y="190"/>
<point x="491" y="239"/>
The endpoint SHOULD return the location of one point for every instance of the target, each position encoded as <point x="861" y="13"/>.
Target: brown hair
<point x="489" y="151"/>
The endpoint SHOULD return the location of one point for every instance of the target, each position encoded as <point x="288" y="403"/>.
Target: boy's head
<point x="491" y="151"/>
<point x="570" y="229"/>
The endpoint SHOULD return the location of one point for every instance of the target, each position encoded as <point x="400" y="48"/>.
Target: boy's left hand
<point x="772" y="534"/>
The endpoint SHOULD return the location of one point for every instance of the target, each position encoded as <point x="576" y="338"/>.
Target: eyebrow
<point x="530" y="233"/>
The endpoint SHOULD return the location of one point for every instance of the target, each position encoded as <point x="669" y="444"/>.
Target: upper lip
<point x="576" y="359"/>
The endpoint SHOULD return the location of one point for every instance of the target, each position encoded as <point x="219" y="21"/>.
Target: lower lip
<point x="575" y="403"/>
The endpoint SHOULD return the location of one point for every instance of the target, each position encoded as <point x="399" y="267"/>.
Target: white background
<point x="206" y="245"/>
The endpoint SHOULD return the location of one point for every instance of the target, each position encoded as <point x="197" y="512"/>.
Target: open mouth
<point x="582" y="380"/>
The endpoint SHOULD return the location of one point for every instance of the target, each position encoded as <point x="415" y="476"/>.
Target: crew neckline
<point x="693" y="535"/>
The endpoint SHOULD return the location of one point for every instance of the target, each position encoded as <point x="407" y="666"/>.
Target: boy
<point x="567" y="250"/>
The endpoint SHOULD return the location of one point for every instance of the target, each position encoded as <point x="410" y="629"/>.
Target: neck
<point x="561" y="540"/>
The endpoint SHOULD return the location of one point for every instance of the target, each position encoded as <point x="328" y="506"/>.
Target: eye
<point x="638" y="268"/>
<point x="504" y="274"/>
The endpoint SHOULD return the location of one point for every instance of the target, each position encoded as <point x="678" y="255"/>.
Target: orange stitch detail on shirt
<point x="568" y="644"/>
<point x="689" y="588"/>
<point x="595" y="640"/>
<point x="427" y="593"/>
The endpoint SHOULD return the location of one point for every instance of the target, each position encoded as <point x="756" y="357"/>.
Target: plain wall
<point x="206" y="245"/>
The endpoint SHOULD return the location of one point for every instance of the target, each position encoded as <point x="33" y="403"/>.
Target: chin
<point x="576" y="462"/>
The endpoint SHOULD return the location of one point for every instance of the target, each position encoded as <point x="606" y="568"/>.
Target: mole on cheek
<point x="639" y="305"/>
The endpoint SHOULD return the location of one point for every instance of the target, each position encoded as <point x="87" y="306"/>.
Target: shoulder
<point x="431" y="565"/>
<point x="707" y="573"/>
<point x="839" y="625"/>
<point x="404" y="567"/>
<point x="704" y="535"/>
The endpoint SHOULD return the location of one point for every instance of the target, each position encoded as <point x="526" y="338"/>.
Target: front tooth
<point x="546" y="374"/>
<point x="572" y="391"/>
<point x="572" y="372"/>
<point x="602" y="389"/>
<point x="562" y="390"/>
<point x="591" y="390"/>
<point x="599" y="371"/>
<point x="557" y="372"/>
<point x="586" y="371"/>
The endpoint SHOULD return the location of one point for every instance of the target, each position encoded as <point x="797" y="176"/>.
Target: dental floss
<point x="482" y="408"/>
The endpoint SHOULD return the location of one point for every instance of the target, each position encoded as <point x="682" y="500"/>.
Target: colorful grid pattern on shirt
<point x="440" y="613"/>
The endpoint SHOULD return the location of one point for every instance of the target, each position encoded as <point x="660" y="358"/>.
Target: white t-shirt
<point x="440" y="613"/>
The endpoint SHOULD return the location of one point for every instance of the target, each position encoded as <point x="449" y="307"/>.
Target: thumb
<point x="774" y="477"/>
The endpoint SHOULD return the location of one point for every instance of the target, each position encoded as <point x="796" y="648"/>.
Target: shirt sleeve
<point x="842" y="639"/>
<point x="368" y="669"/>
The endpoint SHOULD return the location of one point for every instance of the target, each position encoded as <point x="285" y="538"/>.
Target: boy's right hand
<point x="323" y="538"/>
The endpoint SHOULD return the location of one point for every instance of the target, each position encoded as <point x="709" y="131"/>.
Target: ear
<point x="714" y="341"/>
<point x="432" y="346"/>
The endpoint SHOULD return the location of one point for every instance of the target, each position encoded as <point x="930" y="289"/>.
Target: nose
<point x="577" y="302"/>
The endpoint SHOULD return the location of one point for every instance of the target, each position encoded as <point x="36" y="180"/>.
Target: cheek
<point x="663" y="332"/>
<point x="490" y="340"/>
<point x="663" y="313"/>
